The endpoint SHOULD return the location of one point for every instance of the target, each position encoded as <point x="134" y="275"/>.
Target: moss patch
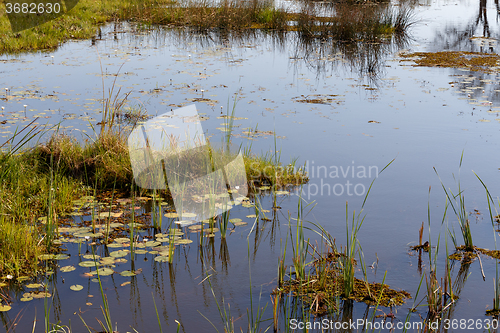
<point x="461" y="254"/>
<point x="474" y="61"/>
<point x="492" y="312"/>
<point x="424" y="247"/>
<point x="324" y="286"/>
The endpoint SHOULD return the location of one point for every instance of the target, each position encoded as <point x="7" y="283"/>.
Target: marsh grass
<point x="20" y="247"/>
<point x="26" y="193"/>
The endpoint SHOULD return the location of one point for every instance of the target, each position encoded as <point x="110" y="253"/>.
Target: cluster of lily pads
<point x="108" y="221"/>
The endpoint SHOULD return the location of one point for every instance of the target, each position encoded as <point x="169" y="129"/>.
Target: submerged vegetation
<point x="346" y="21"/>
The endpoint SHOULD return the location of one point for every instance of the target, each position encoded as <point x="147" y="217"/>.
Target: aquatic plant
<point x="299" y="244"/>
<point x="493" y="218"/>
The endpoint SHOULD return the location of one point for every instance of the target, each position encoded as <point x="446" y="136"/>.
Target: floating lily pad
<point x="121" y="240"/>
<point x="66" y="269"/>
<point x="89" y="234"/>
<point x="115" y="245"/>
<point x="26" y="299"/>
<point x="140" y="251"/>
<point x="265" y="188"/>
<point x="238" y="224"/>
<point x="188" y="215"/>
<point x="105" y="271"/>
<point x="183" y="241"/>
<point x="195" y="227"/>
<point x="120" y="260"/>
<point x="161" y="258"/>
<point x="171" y="215"/>
<point x="128" y="273"/>
<point x="61" y="256"/>
<point x="281" y="192"/>
<point x="91" y="256"/>
<point x="76" y="287"/>
<point x="46" y="256"/>
<point x="88" y="264"/>
<point x="42" y="294"/>
<point x="107" y="261"/>
<point x="251" y="216"/>
<point x="33" y="285"/>
<point x="163" y="240"/>
<point x="105" y="215"/>
<point x="184" y="223"/>
<point x="4" y="307"/>
<point x="3" y="284"/>
<point x="23" y="278"/>
<point x="135" y="224"/>
<point x="118" y="254"/>
<point x="234" y="220"/>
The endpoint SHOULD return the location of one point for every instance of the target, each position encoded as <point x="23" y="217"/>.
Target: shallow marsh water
<point x="422" y="117"/>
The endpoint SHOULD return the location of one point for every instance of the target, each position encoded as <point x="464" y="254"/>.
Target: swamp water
<point x="333" y="112"/>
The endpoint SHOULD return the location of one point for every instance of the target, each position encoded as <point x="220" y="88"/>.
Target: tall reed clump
<point x="330" y="276"/>
<point x="439" y="294"/>
<point x="350" y="21"/>
<point x="458" y="206"/>
<point x="299" y="244"/>
<point x="264" y="169"/>
<point x="347" y="261"/>
<point x="493" y="218"/>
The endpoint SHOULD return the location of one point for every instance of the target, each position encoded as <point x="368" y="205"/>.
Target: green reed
<point x="457" y="202"/>
<point x="496" y="281"/>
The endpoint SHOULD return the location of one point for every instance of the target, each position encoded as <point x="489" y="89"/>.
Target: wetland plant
<point x="299" y="245"/>
<point x="493" y="218"/>
<point x="457" y="202"/>
<point x="347" y="261"/>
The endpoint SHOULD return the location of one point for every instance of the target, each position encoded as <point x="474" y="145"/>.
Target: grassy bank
<point x="347" y="21"/>
<point x="43" y="182"/>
